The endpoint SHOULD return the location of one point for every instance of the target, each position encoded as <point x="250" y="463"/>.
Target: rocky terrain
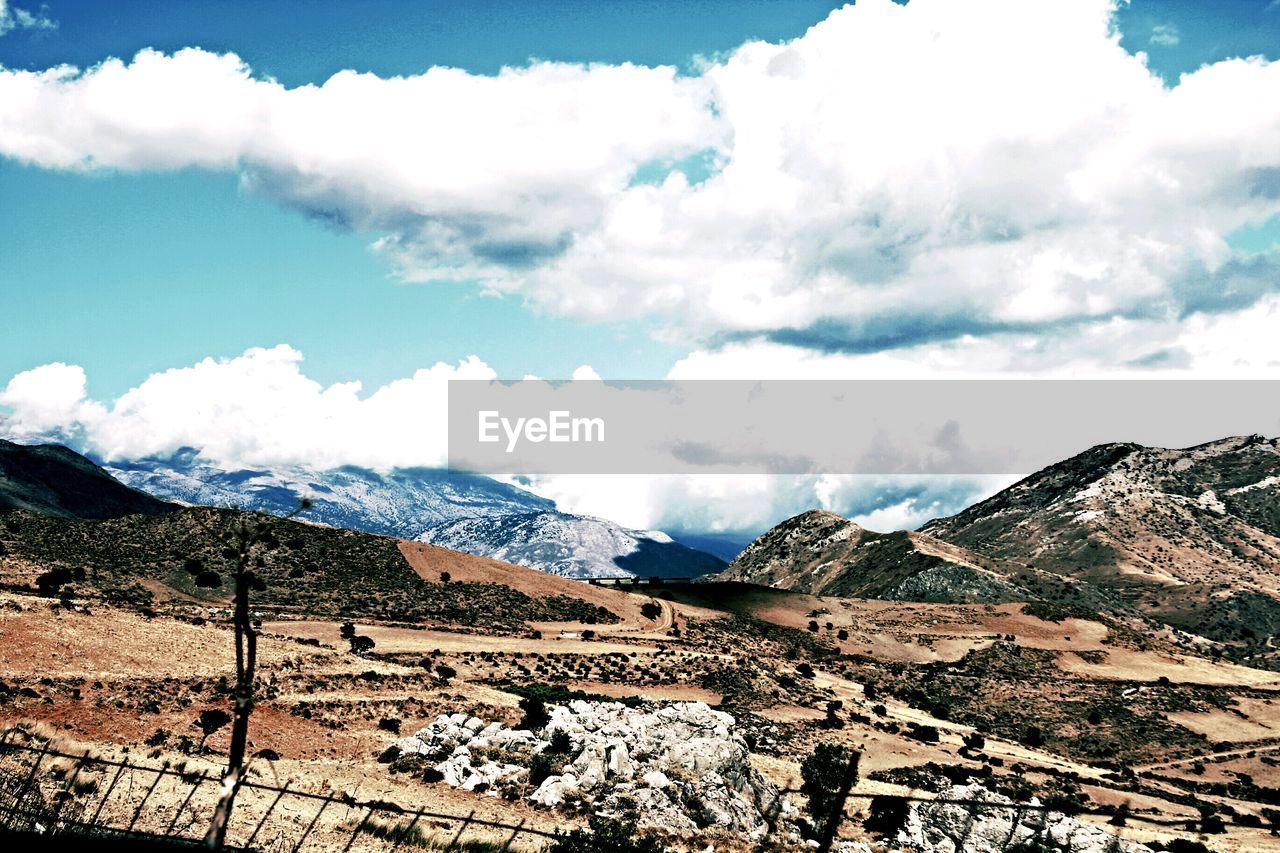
<point x="573" y="546"/>
<point x="1190" y="537"/>
<point x="678" y="766"/>
<point x="1001" y="826"/>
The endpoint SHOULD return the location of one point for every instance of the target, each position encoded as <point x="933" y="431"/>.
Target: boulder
<point x="953" y="828"/>
<point x="678" y="766"/>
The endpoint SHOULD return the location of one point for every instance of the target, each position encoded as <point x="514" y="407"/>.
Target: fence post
<point x="832" y="825"/>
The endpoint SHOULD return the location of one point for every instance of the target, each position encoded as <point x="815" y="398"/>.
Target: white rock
<point x="610" y="746"/>
<point x="951" y="828"/>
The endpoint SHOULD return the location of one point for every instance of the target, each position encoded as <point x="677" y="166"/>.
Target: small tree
<point x="347" y="630"/>
<point x="360" y="644"/>
<point x="535" y="713"/>
<point x="606" y="835"/>
<point x="651" y="610"/>
<point x="828" y="775"/>
<point x="245" y="545"/>
<point x="209" y="722"/>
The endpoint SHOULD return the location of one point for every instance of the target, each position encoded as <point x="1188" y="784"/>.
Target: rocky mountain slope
<point x="1191" y="537"/>
<point x="823" y="554"/>
<point x="402" y="502"/>
<point x="573" y="546"/>
<point x="53" y="480"/>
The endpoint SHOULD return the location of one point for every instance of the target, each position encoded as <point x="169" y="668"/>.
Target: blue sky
<point x="127" y="274"/>
<point x="130" y="274"/>
<point x="931" y="188"/>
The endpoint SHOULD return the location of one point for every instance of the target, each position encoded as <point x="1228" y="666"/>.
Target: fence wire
<point x="49" y="792"/>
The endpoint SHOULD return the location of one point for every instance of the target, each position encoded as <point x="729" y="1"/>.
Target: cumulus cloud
<point x="898" y="175"/>
<point x="13" y="18"/>
<point x="258" y="408"/>
<point x="477" y="173"/>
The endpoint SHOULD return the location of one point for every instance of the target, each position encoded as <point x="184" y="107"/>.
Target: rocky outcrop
<point x="679" y="767"/>
<point x="952" y="828"/>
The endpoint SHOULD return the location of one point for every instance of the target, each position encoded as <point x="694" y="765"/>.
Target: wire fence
<point x="48" y="792"/>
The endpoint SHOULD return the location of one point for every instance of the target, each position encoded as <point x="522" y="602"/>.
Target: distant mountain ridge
<point x="402" y="502"/>
<point x="573" y="546"/>
<point x="465" y="512"/>
<point x="56" y="481"/>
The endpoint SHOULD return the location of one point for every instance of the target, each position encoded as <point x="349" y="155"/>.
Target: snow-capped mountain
<point x="403" y="502"/>
<point x="573" y="546"/>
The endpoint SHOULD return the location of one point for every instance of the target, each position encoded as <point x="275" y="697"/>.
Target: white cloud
<point x="258" y="408"/>
<point x="750" y="504"/>
<point x="480" y="173"/>
<point x="1165" y="35"/>
<point x="899" y="174"/>
<point x="261" y="409"/>
<point x="12" y="18"/>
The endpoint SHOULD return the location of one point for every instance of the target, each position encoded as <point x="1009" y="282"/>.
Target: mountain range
<point x="465" y="512"/>
<point x="1187" y="538"/>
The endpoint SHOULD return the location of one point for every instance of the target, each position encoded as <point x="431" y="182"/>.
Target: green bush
<point x="605" y="835"/>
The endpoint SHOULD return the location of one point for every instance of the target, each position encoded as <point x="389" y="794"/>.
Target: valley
<point x="1050" y="680"/>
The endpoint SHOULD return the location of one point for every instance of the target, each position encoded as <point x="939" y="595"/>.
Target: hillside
<point x="1190" y="537"/>
<point x="823" y="554"/>
<point x="574" y="546"/>
<point x="316" y="570"/>
<point x="53" y="480"/>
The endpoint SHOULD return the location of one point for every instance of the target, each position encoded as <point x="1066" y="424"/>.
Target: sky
<point x="222" y="224"/>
